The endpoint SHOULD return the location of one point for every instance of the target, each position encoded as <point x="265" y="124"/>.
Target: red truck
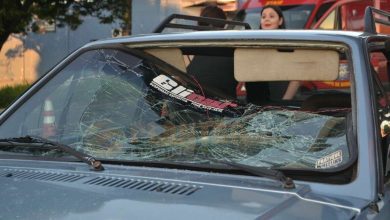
<point x="318" y="14"/>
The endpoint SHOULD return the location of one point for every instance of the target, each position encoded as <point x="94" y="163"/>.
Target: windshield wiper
<point x="277" y="175"/>
<point x="30" y="141"/>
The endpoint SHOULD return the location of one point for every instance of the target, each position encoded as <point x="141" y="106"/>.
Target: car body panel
<point x="85" y="197"/>
<point x="350" y="39"/>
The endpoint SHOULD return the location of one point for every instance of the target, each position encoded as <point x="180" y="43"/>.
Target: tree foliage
<point x="17" y="15"/>
<point x="109" y="11"/>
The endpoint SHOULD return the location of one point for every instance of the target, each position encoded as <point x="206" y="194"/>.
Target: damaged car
<point x="154" y="127"/>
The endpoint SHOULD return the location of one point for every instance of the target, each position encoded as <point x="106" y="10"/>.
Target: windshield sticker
<point x="330" y="160"/>
<point x="170" y="87"/>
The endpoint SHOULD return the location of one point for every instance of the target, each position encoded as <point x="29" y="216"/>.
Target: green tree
<point x="109" y="11"/>
<point x="17" y="15"/>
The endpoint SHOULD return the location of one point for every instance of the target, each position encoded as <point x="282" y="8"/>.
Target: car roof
<point x="241" y="35"/>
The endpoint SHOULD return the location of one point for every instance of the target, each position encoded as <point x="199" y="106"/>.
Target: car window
<point x="115" y="105"/>
<point x="321" y="11"/>
<point x="96" y="81"/>
<point x="329" y="23"/>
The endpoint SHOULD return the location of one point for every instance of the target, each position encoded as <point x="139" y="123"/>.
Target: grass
<point x="9" y="93"/>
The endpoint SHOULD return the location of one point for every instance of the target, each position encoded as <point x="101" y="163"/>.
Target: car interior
<point x="261" y="75"/>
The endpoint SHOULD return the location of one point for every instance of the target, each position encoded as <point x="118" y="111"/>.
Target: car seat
<point x="214" y="72"/>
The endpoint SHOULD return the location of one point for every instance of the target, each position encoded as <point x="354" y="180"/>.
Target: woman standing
<point x="272" y="18"/>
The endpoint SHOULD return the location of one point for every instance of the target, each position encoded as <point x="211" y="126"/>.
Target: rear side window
<point x="320" y="12"/>
<point x="330" y="22"/>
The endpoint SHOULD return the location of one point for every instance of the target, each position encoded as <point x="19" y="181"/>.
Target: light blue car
<point x="152" y="127"/>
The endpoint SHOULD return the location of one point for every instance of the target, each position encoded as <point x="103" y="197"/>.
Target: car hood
<point x="144" y="193"/>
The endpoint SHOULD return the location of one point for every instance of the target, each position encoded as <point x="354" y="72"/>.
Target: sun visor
<point x="260" y="64"/>
<point x="172" y="56"/>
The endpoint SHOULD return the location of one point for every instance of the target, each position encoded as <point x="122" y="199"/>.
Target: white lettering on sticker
<point x="330" y="160"/>
<point x="168" y="86"/>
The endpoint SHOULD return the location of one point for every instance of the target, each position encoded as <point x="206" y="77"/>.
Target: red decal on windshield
<point x="172" y="88"/>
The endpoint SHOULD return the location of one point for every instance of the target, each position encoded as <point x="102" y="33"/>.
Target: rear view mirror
<point x="260" y="64"/>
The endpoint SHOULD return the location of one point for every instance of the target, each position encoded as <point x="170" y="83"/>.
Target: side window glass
<point x="321" y="11"/>
<point x="330" y="22"/>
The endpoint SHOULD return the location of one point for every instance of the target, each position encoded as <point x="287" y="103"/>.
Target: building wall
<point x="17" y="63"/>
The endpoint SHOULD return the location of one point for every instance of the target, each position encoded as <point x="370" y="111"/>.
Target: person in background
<point x="272" y="18"/>
<point x="212" y="11"/>
<point x="213" y="71"/>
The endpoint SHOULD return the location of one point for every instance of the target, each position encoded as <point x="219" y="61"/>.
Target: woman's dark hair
<point x="278" y="11"/>
<point x="212" y="11"/>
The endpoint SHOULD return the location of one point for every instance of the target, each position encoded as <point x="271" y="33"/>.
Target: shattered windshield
<point x="112" y="104"/>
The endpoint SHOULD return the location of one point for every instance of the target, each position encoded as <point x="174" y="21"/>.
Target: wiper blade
<point x="277" y="175"/>
<point x="30" y="141"/>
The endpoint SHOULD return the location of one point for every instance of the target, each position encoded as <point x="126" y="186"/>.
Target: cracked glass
<point x="115" y="105"/>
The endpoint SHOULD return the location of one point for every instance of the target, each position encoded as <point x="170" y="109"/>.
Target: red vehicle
<point x="349" y="15"/>
<point x="318" y="14"/>
<point x="299" y="14"/>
